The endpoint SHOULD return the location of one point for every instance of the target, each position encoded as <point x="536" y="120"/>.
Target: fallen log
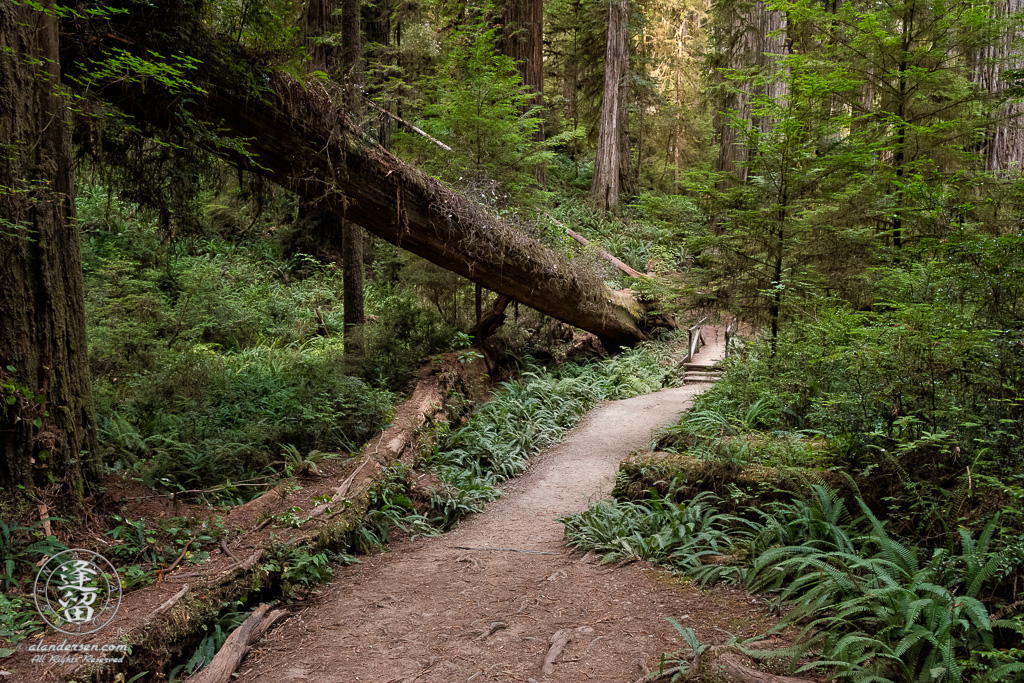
<point x="186" y="600"/>
<point x="231" y="654"/>
<point x="294" y="134"/>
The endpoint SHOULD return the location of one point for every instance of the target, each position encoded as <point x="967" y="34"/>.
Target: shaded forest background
<point x="843" y="177"/>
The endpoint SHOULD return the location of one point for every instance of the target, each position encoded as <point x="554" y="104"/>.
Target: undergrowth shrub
<point x="211" y="419"/>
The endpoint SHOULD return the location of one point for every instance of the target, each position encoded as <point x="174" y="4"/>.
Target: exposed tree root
<point x="558" y="642"/>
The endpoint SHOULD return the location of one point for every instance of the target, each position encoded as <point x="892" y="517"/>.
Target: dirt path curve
<point x="429" y="611"/>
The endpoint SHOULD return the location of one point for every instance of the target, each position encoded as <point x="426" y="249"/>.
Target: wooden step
<point x="696" y="377"/>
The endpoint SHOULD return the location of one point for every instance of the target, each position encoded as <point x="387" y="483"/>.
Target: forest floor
<point x="457" y="607"/>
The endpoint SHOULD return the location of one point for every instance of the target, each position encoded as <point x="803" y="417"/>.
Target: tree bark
<point x="607" y="181"/>
<point x="377" y="20"/>
<point x="237" y="645"/>
<point x="1003" y="147"/>
<point x="523" y="41"/>
<point x="47" y="428"/>
<point x="320" y="18"/>
<point x="743" y="41"/>
<point x="354" y="315"/>
<point x="295" y="135"/>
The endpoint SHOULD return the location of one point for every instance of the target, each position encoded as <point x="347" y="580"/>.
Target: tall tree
<point x="748" y="40"/>
<point x="604" y="190"/>
<point x="47" y="428"/>
<point x="352" y="236"/>
<point x="523" y="39"/>
<point x="320" y="21"/>
<point x="1003" y="144"/>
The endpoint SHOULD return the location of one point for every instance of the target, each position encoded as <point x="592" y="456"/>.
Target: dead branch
<point x="223" y="666"/>
<point x="409" y="125"/>
<point x="168" y="604"/>
<point x="604" y="254"/>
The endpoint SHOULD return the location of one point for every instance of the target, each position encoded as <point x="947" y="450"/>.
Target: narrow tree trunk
<point x="607" y="166"/>
<point x="377" y="20"/>
<point x="353" y="317"/>
<point x="321" y="18"/>
<point x="47" y="428"/>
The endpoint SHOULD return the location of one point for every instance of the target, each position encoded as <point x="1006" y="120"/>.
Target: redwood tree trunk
<point x="47" y="428"/>
<point x="296" y="136"/>
<point x="321" y="18"/>
<point x="523" y="42"/>
<point x="606" y="185"/>
<point x="354" y="315"/>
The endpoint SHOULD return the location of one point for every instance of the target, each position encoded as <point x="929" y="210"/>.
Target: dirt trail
<point x="430" y="611"/>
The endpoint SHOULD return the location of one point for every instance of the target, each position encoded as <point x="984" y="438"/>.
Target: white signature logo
<point x="77" y="592"/>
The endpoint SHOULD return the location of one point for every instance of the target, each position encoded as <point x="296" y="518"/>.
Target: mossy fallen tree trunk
<point x="160" y="620"/>
<point x="738" y="486"/>
<point x="296" y="135"/>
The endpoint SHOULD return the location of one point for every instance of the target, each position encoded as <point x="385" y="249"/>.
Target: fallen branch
<point x="585" y="242"/>
<point x="223" y="666"/>
<point x="227" y="551"/>
<point x="733" y="666"/>
<point x="558" y="643"/>
<point x="168" y="570"/>
<point x="491" y="630"/>
<point x="168" y="604"/>
<point x="409" y="126"/>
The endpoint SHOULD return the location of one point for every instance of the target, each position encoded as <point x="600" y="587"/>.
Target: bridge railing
<point x="731" y="331"/>
<point x="695" y="339"/>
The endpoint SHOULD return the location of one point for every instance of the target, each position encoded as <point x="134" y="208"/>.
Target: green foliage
<point x="145" y="548"/>
<point x="658" y="531"/>
<point x="21" y="547"/>
<point x="219" y="368"/>
<point x="403" y="336"/>
<point x="869" y="608"/>
<point x="19" y="619"/>
<point x="213" y="419"/>
<point x="295" y="568"/>
<point x="526" y="416"/>
<point x="477" y="104"/>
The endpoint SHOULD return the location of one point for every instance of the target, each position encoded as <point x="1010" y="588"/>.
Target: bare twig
<point x="491" y="630"/>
